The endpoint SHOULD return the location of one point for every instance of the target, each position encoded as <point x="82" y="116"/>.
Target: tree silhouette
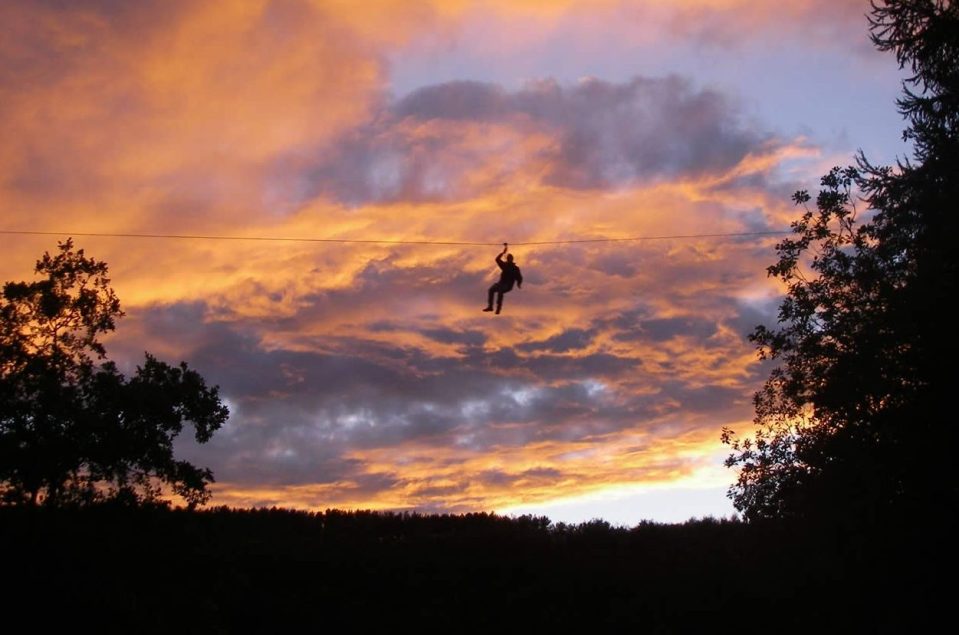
<point x="72" y="428"/>
<point x="857" y="419"/>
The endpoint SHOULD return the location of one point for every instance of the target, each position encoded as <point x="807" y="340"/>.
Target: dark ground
<point x="156" y="570"/>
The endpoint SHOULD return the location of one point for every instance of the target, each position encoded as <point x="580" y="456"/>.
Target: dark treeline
<point x="154" y="569"/>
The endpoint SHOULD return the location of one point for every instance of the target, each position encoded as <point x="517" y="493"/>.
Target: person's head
<point x="509" y="257"/>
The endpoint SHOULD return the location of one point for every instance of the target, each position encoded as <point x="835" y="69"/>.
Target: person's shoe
<point x="489" y="308"/>
<point x="497" y="310"/>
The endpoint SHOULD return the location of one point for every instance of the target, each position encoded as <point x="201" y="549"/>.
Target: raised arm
<point x="499" y="256"/>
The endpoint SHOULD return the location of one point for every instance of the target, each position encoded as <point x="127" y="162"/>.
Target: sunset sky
<point x="366" y="375"/>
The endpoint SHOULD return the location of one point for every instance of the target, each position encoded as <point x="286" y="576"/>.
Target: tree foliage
<point x="857" y="418"/>
<point x="72" y="427"/>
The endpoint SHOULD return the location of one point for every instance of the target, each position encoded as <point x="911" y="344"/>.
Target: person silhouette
<point x="510" y="274"/>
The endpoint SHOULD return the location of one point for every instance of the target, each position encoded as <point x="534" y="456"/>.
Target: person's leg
<point x="499" y="301"/>
<point x="489" y="302"/>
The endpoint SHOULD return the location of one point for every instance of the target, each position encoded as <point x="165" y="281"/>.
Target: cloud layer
<point x="461" y="139"/>
<point x="365" y="374"/>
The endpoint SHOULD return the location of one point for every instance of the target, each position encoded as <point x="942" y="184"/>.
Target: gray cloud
<point x="665" y="329"/>
<point x="607" y="135"/>
<point x="298" y="415"/>
<point x="460" y="101"/>
<point x="818" y="22"/>
<point x="536" y="475"/>
<point x="566" y="341"/>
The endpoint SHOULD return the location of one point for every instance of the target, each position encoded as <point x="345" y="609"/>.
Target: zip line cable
<point x="13" y="232"/>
